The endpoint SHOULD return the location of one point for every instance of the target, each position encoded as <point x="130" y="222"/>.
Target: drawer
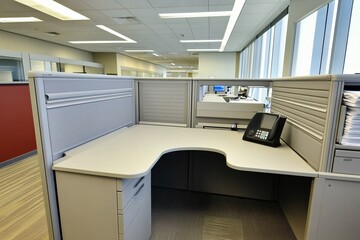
<point x="121" y="184"/>
<point x="140" y="228"/>
<point x="132" y="188"/>
<point x="347" y="162"/>
<point x="133" y="207"/>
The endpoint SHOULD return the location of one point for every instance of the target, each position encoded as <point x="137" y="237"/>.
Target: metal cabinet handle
<point x="140" y="188"/>
<point x="140" y="180"/>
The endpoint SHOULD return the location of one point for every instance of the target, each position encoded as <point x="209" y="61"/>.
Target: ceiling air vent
<point x="125" y="20"/>
<point x="52" y="33"/>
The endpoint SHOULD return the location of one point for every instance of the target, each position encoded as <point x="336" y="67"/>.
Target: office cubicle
<point x="219" y="103"/>
<point x="294" y="194"/>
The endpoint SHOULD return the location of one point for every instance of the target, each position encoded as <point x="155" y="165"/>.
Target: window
<point x="278" y="52"/>
<point x="313" y="42"/>
<point x="39" y="65"/>
<point x="264" y="57"/>
<point x="352" y="60"/>
<point x="11" y="69"/>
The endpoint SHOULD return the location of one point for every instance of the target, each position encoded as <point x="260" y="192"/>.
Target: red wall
<point x="17" y="135"/>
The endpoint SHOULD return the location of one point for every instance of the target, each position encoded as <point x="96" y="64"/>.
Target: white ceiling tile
<point x="103" y="4"/>
<point x="222" y="2"/>
<point x="116" y="13"/>
<point x="177" y="3"/>
<point x="150" y="31"/>
<point x="130" y="4"/>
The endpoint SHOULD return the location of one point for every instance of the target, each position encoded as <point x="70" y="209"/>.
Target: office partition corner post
<point x="313" y="215"/>
<point x="47" y="178"/>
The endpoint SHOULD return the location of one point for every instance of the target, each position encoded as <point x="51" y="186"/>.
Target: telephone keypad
<point x="262" y="134"/>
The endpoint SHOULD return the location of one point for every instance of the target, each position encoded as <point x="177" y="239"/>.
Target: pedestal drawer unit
<point x="95" y="207"/>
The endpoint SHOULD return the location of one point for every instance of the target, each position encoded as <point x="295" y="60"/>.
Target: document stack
<point x="351" y="133"/>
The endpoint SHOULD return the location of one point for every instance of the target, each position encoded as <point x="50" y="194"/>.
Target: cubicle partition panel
<point x="312" y="106"/>
<point x="72" y="109"/>
<point x="164" y="101"/>
<point x="221" y="109"/>
<point x="306" y="102"/>
<point x="16" y="124"/>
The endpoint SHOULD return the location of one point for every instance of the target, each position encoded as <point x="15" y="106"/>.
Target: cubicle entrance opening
<point x="193" y="190"/>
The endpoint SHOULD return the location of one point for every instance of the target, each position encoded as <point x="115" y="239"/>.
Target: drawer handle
<point x="140" y="180"/>
<point x="347" y="159"/>
<point x="140" y="188"/>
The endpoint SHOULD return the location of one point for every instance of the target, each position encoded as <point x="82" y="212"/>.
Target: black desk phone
<point x="265" y="128"/>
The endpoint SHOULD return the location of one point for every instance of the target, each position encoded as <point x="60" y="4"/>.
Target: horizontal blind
<point x="164" y="102"/>
<point x="305" y="104"/>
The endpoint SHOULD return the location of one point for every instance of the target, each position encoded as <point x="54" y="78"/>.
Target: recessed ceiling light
<point x="54" y="9"/>
<point x="195" y="14"/>
<point x="238" y="6"/>
<point x="203" y="50"/>
<point x="95" y="42"/>
<point x="200" y="41"/>
<point x="139" y="51"/>
<point x="115" y="33"/>
<point x="19" y="19"/>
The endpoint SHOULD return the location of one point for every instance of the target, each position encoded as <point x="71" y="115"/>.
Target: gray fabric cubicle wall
<point x="72" y="109"/>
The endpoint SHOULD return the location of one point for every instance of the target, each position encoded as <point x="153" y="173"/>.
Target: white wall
<point x="19" y="43"/>
<point x="217" y="65"/>
<point x="128" y="62"/>
<point x="298" y="9"/>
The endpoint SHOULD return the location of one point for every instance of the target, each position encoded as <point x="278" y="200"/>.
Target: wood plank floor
<point x="183" y="215"/>
<point x="22" y="210"/>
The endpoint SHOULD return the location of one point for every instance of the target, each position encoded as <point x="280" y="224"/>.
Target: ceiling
<point x="139" y="20"/>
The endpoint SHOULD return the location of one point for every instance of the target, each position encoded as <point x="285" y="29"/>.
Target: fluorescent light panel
<point x="19" y="19"/>
<point x="115" y="33"/>
<point x="95" y="42"/>
<point x="200" y="41"/>
<point x="54" y="9"/>
<point x="195" y="14"/>
<point x="238" y="6"/>
<point x="126" y="39"/>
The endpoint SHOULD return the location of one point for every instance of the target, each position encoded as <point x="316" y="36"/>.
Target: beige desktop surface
<point x="132" y="152"/>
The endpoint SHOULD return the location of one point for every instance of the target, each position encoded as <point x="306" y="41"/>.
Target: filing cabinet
<point x="96" y="207"/>
<point x="347" y="161"/>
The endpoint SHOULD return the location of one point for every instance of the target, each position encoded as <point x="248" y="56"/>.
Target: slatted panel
<point x="305" y="104"/>
<point x="165" y="102"/>
<point x="22" y="210"/>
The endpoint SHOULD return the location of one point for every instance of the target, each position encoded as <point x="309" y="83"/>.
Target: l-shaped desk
<point x="104" y="185"/>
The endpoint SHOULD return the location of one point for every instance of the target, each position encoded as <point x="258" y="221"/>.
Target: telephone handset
<point x="265" y="128"/>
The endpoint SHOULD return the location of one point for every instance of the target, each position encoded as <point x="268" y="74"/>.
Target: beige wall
<point x="109" y="61"/>
<point x="113" y="62"/>
<point x="128" y="62"/>
<point x="217" y="65"/>
<point x="18" y="43"/>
